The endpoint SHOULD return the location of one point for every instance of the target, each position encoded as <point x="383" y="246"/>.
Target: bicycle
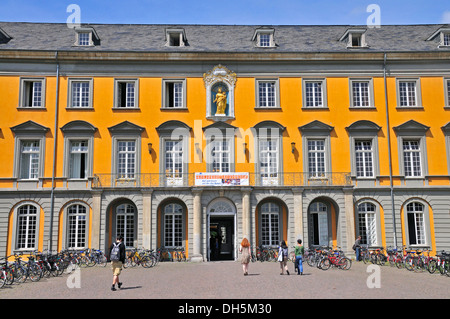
<point x="180" y="254"/>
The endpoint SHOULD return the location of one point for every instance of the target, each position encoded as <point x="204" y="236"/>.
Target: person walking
<point x="299" y="252"/>
<point x="357" y="248"/>
<point x="117" y="258"/>
<point x="282" y="257"/>
<point x="244" y="249"/>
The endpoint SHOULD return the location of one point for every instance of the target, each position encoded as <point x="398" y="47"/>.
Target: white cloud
<point x="446" y="17"/>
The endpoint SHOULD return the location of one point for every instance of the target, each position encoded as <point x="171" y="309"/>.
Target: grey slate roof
<point x="218" y="38"/>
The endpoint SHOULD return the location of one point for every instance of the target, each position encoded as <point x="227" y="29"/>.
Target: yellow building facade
<point x="318" y="141"/>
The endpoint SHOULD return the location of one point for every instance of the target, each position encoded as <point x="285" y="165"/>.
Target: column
<point x="349" y="220"/>
<point x="298" y="215"/>
<point x="96" y="218"/>
<point x="147" y="218"/>
<point x="197" y="227"/>
<point x="246" y="214"/>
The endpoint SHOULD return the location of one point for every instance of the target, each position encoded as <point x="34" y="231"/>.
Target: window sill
<point x="31" y="108"/>
<point x="362" y="108"/>
<point x="173" y="108"/>
<point x="412" y="108"/>
<point x="315" y="108"/>
<point x="118" y="108"/>
<point x="90" y="108"/>
<point x="267" y="108"/>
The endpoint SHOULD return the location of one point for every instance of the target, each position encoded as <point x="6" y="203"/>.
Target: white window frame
<point x="77" y="226"/>
<point x="316" y="173"/>
<point x="131" y="94"/>
<point x="34" y="154"/>
<point x="270" y="224"/>
<point x="222" y="157"/>
<point x="178" y="102"/>
<point x="367" y="212"/>
<point x="261" y="42"/>
<point x="269" y="170"/>
<point x="173" y="225"/>
<point x="128" y="212"/>
<point x="447" y="92"/>
<point x="28" y="231"/>
<point x="417" y="93"/>
<point x="37" y="96"/>
<point x="71" y="93"/>
<point x="419" y="223"/>
<point x="322" y="90"/>
<point x="129" y="162"/>
<point x="79" y="150"/>
<point x="370" y="98"/>
<point x="175" y="174"/>
<point x="408" y="157"/>
<point x="268" y="102"/>
<point x="366" y="163"/>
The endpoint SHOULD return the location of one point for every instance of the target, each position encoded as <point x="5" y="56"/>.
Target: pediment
<point x="126" y="127"/>
<point x="316" y="127"/>
<point x="220" y="125"/>
<point x="29" y="127"/>
<point x="363" y="126"/>
<point x="411" y="126"/>
<point x="269" y="124"/>
<point x="79" y="127"/>
<point x="170" y="126"/>
<point x="446" y="128"/>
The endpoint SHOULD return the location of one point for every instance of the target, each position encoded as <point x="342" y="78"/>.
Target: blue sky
<point x="260" y="12"/>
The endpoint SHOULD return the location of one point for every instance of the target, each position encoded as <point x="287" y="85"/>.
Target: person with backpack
<point x="117" y="258"/>
<point x="283" y="257"/>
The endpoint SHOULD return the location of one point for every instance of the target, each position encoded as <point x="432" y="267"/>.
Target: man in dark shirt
<point x="357" y="247"/>
<point x="116" y="265"/>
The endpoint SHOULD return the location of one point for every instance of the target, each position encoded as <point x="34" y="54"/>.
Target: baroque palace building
<point x="172" y="135"/>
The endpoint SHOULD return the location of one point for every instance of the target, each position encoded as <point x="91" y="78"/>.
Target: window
<point x="125" y="215"/>
<point x="361" y="93"/>
<point x="364" y="158"/>
<point x="267" y="94"/>
<point x="76" y="215"/>
<point x="32" y="93"/>
<point x="176" y="38"/>
<point x="126" y="94"/>
<point x="412" y="158"/>
<point x="268" y="161"/>
<point x="314" y="93"/>
<point x="356" y="40"/>
<point x="447" y="92"/>
<point x="173" y="161"/>
<point x="174" y="94"/>
<point x="84" y="38"/>
<point x="29" y="160"/>
<point x="408" y="92"/>
<point x="318" y="224"/>
<point x="316" y="158"/>
<point x="80" y="93"/>
<point x="221" y="156"/>
<point x="78" y="159"/>
<point x="126" y="155"/>
<point x="416" y="223"/>
<point x="264" y="38"/>
<point x="446" y="39"/>
<point x="270" y="224"/>
<point x="26" y="227"/>
<point x="367" y="226"/>
<point x="173" y="225"/>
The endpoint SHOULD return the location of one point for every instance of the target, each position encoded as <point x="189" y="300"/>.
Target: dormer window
<point x="176" y="38"/>
<point x="443" y="36"/>
<point x="355" y="38"/>
<point x="86" y="36"/>
<point x="4" y="37"/>
<point x="263" y="38"/>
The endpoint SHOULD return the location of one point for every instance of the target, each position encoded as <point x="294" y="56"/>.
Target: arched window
<point x="173" y="225"/>
<point x="26" y="227"/>
<point x="367" y="223"/>
<point x="125" y="223"/>
<point x="270" y="224"/>
<point x="76" y="219"/>
<point x="416" y="223"/>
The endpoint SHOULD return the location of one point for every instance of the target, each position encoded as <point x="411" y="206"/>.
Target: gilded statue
<point x="221" y="101"/>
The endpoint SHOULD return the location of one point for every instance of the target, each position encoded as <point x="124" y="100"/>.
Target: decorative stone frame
<point x="220" y="74"/>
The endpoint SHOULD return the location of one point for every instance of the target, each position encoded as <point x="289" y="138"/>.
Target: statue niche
<point x="220" y="103"/>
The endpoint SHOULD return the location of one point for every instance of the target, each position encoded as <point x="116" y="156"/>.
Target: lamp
<point x="293" y="147"/>
<point x="149" y="148"/>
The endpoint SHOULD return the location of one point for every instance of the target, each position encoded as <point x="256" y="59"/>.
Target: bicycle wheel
<point x="366" y="257"/>
<point x="20" y="274"/>
<point x="345" y="263"/>
<point x="292" y="256"/>
<point x="432" y="265"/>
<point x="325" y="264"/>
<point x="102" y="261"/>
<point x="146" y="262"/>
<point x="409" y="263"/>
<point x="34" y="272"/>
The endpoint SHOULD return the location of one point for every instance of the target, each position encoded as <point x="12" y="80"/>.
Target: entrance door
<point x="318" y="224"/>
<point x="221" y="230"/>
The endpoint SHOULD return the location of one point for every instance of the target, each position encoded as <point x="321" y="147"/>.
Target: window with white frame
<point x="267" y="93"/>
<point x="76" y="218"/>
<point x="408" y="95"/>
<point x="174" y="95"/>
<point x="220" y="155"/>
<point x="364" y="158"/>
<point x="173" y="225"/>
<point x="412" y="162"/>
<point x="314" y="94"/>
<point x="26" y="227"/>
<point x="29" y="159"/>
<point x="126" y="159"/>
<point x="361" y="94"/>
<point x="268" y="161"/>
<point x="80" y="93"/>
<point x="265" y="40"/>
<point x="270" y="224"/>
<point x="78" y="163"/>
<point x="125" y="223"/>
<point x="416" y="223"/>
<point x="126" y="94"/>
<point x="367" y="223"/>
<point x="173" y="161"/>
<point x="447" y="92"/>
<point x="84" y="38"/>
<point x="316" y="158"/>
<point x="32" y="94"/>
<point x="446" y="39"/>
